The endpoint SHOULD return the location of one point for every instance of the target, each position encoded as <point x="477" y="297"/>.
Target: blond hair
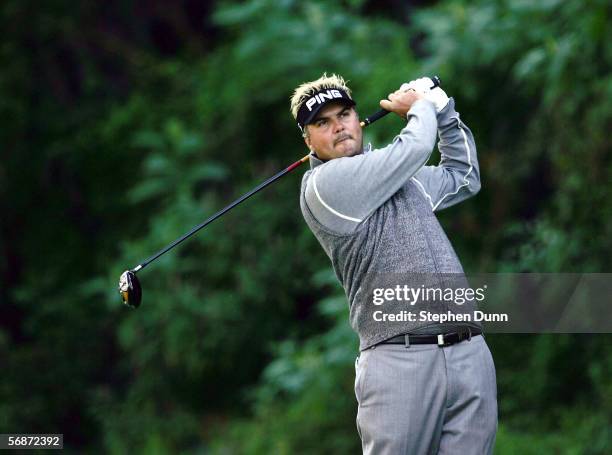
<point x="307" y="89"/>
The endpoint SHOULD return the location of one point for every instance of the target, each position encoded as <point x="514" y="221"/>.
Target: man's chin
<point x="351" y="151"/>
<point x="347" y="148"/>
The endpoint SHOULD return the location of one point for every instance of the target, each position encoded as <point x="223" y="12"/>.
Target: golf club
<point x="129" y="285"/>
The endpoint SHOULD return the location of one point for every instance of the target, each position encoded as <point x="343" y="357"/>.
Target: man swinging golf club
<point x="422" y="387"/>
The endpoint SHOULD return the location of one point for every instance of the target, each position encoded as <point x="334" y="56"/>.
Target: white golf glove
<point x="422" y="86"/>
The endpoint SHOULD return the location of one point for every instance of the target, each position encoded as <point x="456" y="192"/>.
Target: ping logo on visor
<point x="320" y="98"/>
<point x="309" y="108"/>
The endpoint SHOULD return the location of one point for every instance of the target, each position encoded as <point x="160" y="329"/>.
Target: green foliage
<point x="249" y="287"/>
<point x="536" y="75"/>
<point x="113" y="146"/>
<point x="306" y="390"/>
<point x="558" y="232"/>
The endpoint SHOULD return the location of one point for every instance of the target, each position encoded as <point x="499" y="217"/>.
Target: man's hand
<point x="401" y="101"/>
<point x="422" y="86"/>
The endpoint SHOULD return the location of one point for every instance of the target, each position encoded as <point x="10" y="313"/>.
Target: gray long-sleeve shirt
<point x="373" y="214"/>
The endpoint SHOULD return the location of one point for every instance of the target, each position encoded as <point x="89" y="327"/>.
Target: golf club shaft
<point x="369" y="120"/>
<point x="212" y="218"/>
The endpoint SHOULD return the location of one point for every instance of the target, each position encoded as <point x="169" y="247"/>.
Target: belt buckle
<point x="441" y="340"/>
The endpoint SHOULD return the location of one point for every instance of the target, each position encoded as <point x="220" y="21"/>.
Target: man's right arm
<point x="346" y="191"/>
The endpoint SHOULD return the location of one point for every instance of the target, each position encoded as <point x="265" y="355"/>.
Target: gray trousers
<point x="427" y="399"/>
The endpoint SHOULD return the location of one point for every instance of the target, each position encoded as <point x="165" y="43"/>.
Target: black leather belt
<point x="443" y="339"/>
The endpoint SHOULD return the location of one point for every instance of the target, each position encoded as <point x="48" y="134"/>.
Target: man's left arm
<point x="457" y="176"/>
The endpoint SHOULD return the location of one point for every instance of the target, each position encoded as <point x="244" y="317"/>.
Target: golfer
<point x="422" y="386"/>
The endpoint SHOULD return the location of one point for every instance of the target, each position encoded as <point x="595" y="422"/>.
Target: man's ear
<point x="307" y="141"/>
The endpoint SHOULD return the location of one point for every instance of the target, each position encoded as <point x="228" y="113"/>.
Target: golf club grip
<point x="381" y="113"/>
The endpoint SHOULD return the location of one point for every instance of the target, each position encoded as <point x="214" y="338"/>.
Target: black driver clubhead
<point x="130" y="290"/>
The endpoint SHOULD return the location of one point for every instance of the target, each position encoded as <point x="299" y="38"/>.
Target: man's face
<point x="335" y="132"/>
